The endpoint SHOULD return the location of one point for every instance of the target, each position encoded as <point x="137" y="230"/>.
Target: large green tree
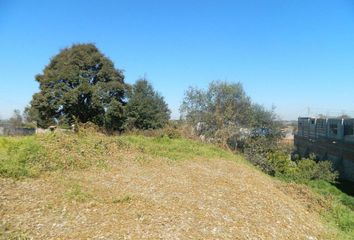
<point x="146" y="109"/>
<point x="79" y="84"/>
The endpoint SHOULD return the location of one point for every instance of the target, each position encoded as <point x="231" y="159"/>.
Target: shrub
<point x="223" y="112"/>
<point x="263" y="152"/>
<point x="280" y="164"/>
<point x="170" y="132"/>
<point x="275" y="160"/>
<point x="304" y="170"/>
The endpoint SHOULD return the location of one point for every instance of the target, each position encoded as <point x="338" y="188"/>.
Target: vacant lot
<point x="146" y="188"/>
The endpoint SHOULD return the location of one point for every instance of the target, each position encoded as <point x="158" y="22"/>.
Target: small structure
<point x="329" y="139"/>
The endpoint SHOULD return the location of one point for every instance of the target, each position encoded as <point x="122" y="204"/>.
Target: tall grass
<point x="341" y="210"/>
<point x="28" y="156"/>
<point x="177" y="149"/>
<point x="20" y="157"/>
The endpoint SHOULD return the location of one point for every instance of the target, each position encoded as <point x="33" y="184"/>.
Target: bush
<point x="301" y="171"/>
<point x="170" y="132"/>
<point x="308" y="169"/>
<point x="224" y="113"/>
<point x="275" y="160"/>
<point x="280" y="164"/>
<point x="263" y="152"/>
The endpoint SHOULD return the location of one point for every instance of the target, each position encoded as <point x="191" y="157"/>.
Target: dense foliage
<point x="79" y="84"/>
<point x="274" y="159"/>
<point x="146" y="109"/>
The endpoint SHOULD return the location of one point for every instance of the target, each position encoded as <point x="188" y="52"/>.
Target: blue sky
<point x="291" y="54"/>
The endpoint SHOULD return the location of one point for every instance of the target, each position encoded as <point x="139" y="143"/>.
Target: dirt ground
<point x="144" y="198"/>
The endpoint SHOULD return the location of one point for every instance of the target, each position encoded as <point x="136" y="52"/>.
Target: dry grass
<point x="145" y="194"/>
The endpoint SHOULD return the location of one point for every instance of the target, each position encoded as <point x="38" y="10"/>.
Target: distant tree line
<point x="16" y="120"/>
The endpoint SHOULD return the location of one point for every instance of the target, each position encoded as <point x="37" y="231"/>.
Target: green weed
<point x="77" y="194"/>
<point x="19" y="157"/>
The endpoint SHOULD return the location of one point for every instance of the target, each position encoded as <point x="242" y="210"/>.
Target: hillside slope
<point x="148" y="188"/>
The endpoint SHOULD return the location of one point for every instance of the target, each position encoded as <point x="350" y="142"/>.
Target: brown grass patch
<point x="199" y="199"/>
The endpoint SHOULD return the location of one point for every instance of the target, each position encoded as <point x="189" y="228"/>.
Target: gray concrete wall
<point x="348" y="169"/>
<point x="340" y="153"/>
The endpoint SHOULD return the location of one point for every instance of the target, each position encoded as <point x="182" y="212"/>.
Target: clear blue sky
<point x="291" y="54"/>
